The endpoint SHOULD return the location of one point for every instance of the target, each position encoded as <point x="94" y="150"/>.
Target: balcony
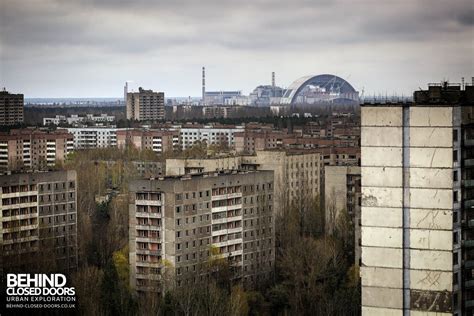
<point x="20" y="228"/>
<point x="468" y="243"/>
<point x="469" y="142"/>
<point x="148" y="252"/>
<point x="469" y="162"/>
<point x="148" y="227"/>
<point x="469" y="203"/>
<point x="19" y="194"/>
<point x="469" y="283"/>
<point x="20" y="239"/>
<point x="469" y="264"/>
<point x="147" y="239"/>
<point x="148" y="276"/>
<point x="148" y="264"/>
<point x="148" y="202"/>
<point x="468" y="183"/>
<point x="226" y="196"/>
<point x="148" y="214"/>
<point x="234" y="230"/>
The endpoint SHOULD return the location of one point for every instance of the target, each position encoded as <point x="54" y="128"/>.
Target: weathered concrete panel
<point x="423" y="313"/>
<point x="431" y="219"/>
<point x="382" y="297"/>
<point x="431" y="178"/>
<point x="431" y="280"/>
<point x="382" y="136"/>
<point x="377" y="311"/>
<point x="431" y="260"/>
<point x="431" y="157"/>
<point x="381" y="277"/>
<point x="431" y="198"/>
<point x="381" y="156"/>
<point x="382" y="217"/>
<point x="431" y="137"/>
<point x="382" y="257"/>
<point x="431" y="239"/>
<point x="432" y="301"/>
<point x="382" y="176"/>
<point x="431" y="116"/>
<point x="381" y="116"/>
<point x="391" y="197"/>
<point x="382" y="237"/>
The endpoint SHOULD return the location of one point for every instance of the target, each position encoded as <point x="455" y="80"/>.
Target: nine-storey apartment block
<point x="38" y="221"/>
<point x="11" y="108"/>
<point x="145" y="105"/>
<point x="184" y="222"/>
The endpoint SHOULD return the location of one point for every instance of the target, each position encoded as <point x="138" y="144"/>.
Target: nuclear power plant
<point x="308" y="90"/>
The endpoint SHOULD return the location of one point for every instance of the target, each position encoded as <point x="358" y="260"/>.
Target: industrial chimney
<point x="203" y="86"/>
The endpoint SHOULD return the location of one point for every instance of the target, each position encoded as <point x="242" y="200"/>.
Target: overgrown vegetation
<point x="314" y="274"/>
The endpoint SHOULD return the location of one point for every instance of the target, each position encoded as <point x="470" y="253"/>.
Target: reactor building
<point x="320" y="89"/>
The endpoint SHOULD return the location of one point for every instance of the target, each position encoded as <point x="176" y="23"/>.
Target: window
<point x="455" y="156"/>
<point x="455" y="175"/>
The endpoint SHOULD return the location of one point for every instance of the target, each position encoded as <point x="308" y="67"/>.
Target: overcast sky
<point x="89" y="48"/>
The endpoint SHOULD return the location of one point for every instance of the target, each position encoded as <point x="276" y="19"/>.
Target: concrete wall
<point x="407" y="161"/>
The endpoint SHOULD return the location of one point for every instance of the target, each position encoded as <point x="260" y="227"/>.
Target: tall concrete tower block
<point x="417" y="216"/>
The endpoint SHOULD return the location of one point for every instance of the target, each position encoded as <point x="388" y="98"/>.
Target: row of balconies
<point x="148" y="252"/>
<point x="148" y="227"/>
<point x="226" y="208"/>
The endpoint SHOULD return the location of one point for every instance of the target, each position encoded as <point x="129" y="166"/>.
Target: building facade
<point x="33" y="149"/>
<point x="94" y="137"/>
<point x="417" y="237"/>
<point x="209" y="134"/>
<point x="77" y="120"/>
<point x="296" y="174"/>
<point x="145" y="105"/>
<point x="39" y="221"/>
<point x="186" y="221"/>
<point x="159" y="141"/>
<point x="342" y="193"/>
<point x="11" y="108"/>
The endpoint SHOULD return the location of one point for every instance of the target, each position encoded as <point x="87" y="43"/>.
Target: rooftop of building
<point x="34" y="131"/>
<point x="437" y="94"/>
<point x="4" y="92"/>
<point x="202" y="175"/>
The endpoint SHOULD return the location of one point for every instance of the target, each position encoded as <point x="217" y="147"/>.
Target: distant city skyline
<point x="90" y="48"/>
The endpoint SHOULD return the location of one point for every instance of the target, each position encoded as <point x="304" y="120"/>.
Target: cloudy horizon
<point x="89" y="48"/>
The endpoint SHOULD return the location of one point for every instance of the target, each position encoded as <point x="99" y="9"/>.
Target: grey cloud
<point x="89" y="31"/>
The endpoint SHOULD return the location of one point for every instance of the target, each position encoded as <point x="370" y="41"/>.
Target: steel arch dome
<point x="331" y="83"/>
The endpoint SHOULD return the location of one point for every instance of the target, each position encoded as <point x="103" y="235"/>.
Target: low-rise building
<point x="186" y="221"/>
<point x="76" y="119"/>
